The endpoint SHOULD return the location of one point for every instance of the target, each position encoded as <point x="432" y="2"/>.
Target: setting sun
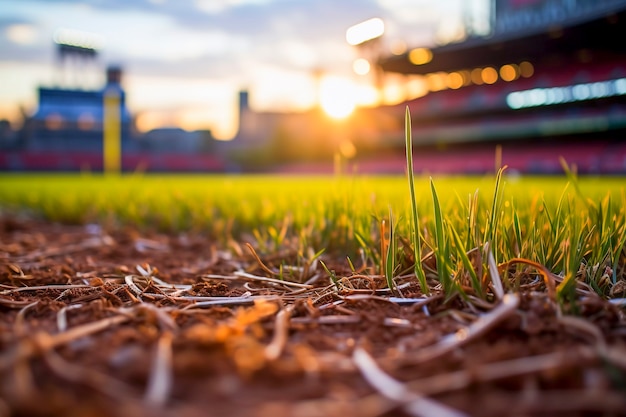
<point x="337" y="97"/>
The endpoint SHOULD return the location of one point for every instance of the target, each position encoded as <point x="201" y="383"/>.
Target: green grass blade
<point x="461" y="253"/>
<point x="415" y="225"/>
<point x="616" y="257"/>
<point x="491" y="227"/>
<point x="518" y="234"/>
<point x="331" y="274"/>
<point x="390" y="256"/>
<point x="441" y="248"/>
<point x="472" y="217"/>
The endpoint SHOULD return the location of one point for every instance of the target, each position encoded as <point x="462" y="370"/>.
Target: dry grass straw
<point x="161" y="375"/>
<point x="411" y="401"/>
<point x="466" y="334"/>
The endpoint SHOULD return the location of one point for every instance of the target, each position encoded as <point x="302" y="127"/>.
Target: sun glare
<point x="337" y="97"/>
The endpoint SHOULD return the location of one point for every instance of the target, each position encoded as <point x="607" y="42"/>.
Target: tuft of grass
<point x="577" y="231"/>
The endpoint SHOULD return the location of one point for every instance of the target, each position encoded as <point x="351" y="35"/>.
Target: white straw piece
<point x="161" y="374"/>
<point x="413" y="403"/>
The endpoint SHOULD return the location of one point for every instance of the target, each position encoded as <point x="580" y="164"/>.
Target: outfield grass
<point x="573" y="227"/>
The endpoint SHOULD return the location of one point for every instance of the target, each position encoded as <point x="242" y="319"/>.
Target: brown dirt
<point x="84" y="332"/>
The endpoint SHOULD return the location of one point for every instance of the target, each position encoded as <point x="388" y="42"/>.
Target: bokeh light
<point x="437" y="81"/>
<point x="509" y="72"/>
<point x="489" y="75"/>
<point x="477" y="76"/>
<point x="455" y="80"/>
<point x="398" y="47"/>
<point x="566" y="94"/>
<point x="361" y="66"/>
<point x="420" y="56"/>
<point x="526" y="69"/>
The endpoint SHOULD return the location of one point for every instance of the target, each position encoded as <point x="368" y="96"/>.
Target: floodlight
<point x="365" y="31"/>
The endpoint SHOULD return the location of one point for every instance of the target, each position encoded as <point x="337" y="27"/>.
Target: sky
<point x="184" y="61"/>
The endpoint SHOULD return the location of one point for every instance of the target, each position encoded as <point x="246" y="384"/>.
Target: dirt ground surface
<point x="96" y="322"/>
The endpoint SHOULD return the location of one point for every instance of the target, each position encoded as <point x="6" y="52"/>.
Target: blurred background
<point x="312" y="86"/>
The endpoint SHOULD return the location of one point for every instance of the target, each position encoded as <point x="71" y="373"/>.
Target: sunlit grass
<point x="577" y="231"/>
<point x="415" y="222"/>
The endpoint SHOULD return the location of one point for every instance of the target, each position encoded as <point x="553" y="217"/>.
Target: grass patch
<point x="576" y="231"/>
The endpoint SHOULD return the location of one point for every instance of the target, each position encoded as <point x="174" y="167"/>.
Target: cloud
<point x="218" y="6"/>
<point x="160" y="36"/>
<point x="416" y="22"/>
<point x="272" y="46"/>
<point x="21" y="33"/>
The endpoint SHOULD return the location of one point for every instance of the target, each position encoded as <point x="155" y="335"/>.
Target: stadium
<point x="547" y="84"/>
<point x="550" y="82"/>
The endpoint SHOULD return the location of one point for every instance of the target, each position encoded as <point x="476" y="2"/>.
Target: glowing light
<point x="489" y="75"/>
<point x="537" y="97"/>
<point x="467" y="77"/>
<point x="437" y="81"/>
<point x="420" y="56"/>
<point x="398" y="47"/>
<point x="394" y="94"/>
<point x="567" y="94"/>
<point x="509" y="72"/>
<point x="366" y="95"/>
<point x="455" y="80"/>
<point x="86" y="121"/>
<point x="78" y="38"/>
<point x="581" y="92"/>
<point x="526" y="69"/>
<point x="477" y="76"/>
<point x="365" y="31"/>
<point x="361" y="66"/>
<point x="599" y="89"/>
<point x="54" y="121"/>
<point x="416" y="87"/>
<point x="337" y="97"/>
<point x="347" y="149"/>
<point x="515" y="100"/>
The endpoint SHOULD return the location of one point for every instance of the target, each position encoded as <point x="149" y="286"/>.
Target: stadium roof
<point x="600" y="35"/>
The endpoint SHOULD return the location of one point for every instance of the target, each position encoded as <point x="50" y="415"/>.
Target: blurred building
<point x="66" y="132"/>
<point x="548" y="81"/>
<point x="266" y="140"/>
<point x="71" y="119"/>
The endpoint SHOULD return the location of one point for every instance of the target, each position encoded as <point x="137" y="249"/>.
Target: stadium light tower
<point x="77" y="53"/>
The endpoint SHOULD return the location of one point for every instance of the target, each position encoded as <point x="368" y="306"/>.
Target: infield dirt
<point x="98" y="322"/>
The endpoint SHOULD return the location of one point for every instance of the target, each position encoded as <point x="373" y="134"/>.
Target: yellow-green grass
<point x="566" y="224"/>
